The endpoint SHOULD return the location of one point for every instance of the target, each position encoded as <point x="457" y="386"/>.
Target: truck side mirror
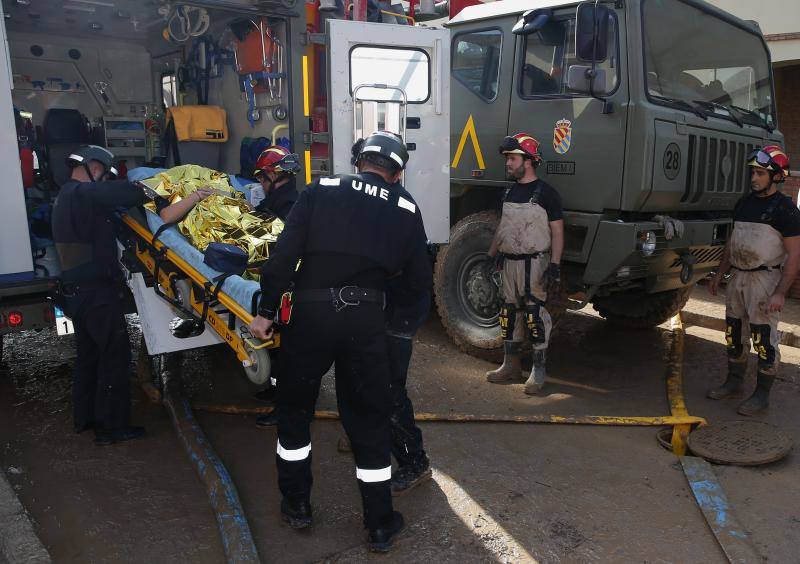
<point x="581" y="79"/>
<point x="591" y="32"/>
<point x="532" y="21"/>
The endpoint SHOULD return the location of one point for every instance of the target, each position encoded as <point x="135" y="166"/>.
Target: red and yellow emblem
<point x="562" y="136"/>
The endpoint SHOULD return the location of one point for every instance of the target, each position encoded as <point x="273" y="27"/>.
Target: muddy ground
<point x="502" y="492"/>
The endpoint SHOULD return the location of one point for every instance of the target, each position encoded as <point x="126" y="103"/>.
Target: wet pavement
<point x="501" y="492"/>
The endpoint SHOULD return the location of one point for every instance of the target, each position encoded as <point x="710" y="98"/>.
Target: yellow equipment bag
<point x="199" y="123"/>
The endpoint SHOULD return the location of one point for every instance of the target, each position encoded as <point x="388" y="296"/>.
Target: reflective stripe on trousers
<point x="294" y="455"/>
<point x="370" y="476"/>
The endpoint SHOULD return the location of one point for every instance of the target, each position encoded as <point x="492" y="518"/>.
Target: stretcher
<point x="173" y="288"/>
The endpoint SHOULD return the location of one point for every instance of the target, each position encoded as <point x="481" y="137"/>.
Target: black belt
<point x="70" y="289"/>
<point x="756" y="269"/>
<point x="526" y="256"/>
<point x="340" y="297"/>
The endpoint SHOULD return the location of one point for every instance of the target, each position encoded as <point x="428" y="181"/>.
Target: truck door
<point x="15" y="249"/>
<point x="583" y="147"/>
<point x="415" y="60"/>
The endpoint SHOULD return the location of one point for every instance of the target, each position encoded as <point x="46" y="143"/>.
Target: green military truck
<point x="645" y="110"/>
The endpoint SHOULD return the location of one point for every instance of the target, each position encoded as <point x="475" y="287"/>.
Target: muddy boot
<point x="380" y="540"/>
<point x="410" y="475"/>
<point x="297" y="513"/>
<point x="344" y="445"/>
<point x="535" y="382"/>
<point x="759" y="401"/>
<point x="732" y="388"/>
<point x="511" y="367"/>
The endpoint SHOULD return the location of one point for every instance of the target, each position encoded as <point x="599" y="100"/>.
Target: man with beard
<point x="764" y="254"/>
<point x="530" y="241"/>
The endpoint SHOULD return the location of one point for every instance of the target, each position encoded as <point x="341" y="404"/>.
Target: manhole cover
<point x="744" y="443"/>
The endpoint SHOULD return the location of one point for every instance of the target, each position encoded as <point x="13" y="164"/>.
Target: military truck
<point x="645" y="111"/>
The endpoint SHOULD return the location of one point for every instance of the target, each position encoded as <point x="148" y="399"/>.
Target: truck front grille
<point x="703" y="255"/>
<point x="715" y="165"/>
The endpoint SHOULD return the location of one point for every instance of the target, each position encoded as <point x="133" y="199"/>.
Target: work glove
<point x="552" y="278"/>
<point x="496" y="269"/>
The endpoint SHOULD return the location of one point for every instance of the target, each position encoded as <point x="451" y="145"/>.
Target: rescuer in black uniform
<point x="91" y="292"/>
<point x="352" y="233"/>
<point x="275" y="170"/>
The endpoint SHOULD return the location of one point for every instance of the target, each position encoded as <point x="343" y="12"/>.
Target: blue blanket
<point x="240" y="290"/>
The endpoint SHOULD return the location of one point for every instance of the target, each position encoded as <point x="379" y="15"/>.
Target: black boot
<point x="129" y="433"/>
<point x="267" y="420"/>
<point x="266" y="395"/>
<point x="380" y="540"/>
<point x="759" y="401"/>
<point x="410" y="475"/>
<point x="732" y="388"/>
<point x="296" y="513"/>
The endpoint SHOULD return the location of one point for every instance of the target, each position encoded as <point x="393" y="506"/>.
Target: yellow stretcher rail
<point x="240" y="344"/>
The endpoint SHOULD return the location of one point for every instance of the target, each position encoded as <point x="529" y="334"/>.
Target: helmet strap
<point x="88" y="171"/>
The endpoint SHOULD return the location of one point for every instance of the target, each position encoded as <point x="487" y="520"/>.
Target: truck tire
<point x="466" y="297"/>
<point x="640" y="310"/>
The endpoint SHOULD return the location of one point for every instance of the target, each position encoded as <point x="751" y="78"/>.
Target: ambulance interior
<point x="108" y="72"/>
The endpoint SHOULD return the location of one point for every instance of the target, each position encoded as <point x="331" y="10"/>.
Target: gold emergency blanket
<point x="223" y="217"/>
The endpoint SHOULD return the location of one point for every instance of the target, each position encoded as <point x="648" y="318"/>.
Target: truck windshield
<point x="695" y="57"/>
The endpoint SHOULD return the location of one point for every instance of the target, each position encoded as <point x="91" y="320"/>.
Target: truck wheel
<point x="640" y="310"/>
<point x="466" y="297"/>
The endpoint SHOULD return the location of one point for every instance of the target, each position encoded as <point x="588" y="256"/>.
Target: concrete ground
<point x="501" y="492"/>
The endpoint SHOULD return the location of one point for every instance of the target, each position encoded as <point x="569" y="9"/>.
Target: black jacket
<point x="279" y="201"/>
<point x="350" y="230"/>
<point x="83" y="230"/>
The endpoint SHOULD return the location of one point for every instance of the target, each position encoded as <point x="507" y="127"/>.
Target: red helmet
<point x="771" y="158"/>
<point x="521" y="144"/>
<point x="276" y="159"/>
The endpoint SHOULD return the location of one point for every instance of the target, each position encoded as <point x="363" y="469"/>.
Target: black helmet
<point x="384" y="143"/>
<point x="87" y="153"/>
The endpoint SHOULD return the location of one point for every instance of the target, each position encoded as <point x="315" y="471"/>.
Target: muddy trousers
<point x="521" y="316"/>
<point x="746" y="318"/>
<point x="406" y="436"/>
<point x="353" y="338"/>
<point x="101" y="387"/>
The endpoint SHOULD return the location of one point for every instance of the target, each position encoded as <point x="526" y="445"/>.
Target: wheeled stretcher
<point x="172" y="287"/>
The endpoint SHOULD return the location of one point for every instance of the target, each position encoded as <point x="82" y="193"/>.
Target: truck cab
<point x="645" y="112"/>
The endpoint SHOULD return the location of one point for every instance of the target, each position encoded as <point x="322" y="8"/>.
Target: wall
<point x="787" y="86"/>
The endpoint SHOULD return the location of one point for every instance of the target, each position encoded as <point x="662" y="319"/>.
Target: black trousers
<point x="355" y="340"/>
<point x="100" y="387"/>
<point x="406" y="436"/>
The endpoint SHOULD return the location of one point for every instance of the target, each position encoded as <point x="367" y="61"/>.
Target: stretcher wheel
<point x="260" y="365"/>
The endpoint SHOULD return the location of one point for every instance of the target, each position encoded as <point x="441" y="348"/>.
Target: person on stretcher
<point x="172" y="213"/>
<point x="223" y="215"/>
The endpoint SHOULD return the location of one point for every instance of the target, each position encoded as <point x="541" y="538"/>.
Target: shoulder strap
<point x="769" y="213"/>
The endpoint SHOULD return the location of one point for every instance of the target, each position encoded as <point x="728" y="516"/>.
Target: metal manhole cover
<point x="741" y="442"/>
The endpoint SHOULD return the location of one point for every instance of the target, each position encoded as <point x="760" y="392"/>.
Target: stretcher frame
<point x="167" y="268"/>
